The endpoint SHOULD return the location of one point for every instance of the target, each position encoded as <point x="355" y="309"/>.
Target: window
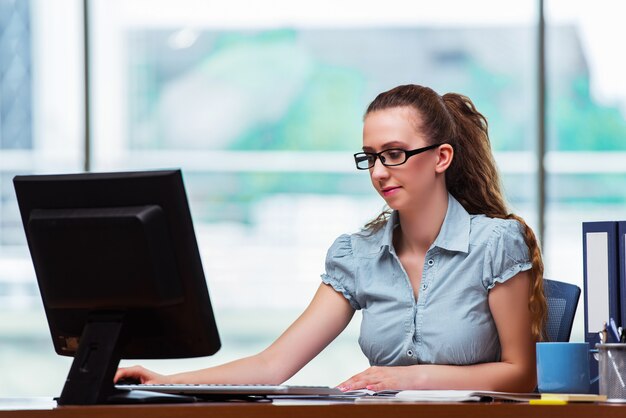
<point x="261" y="106"/>
<point x="41" y="119"/>
<point x="586" y="131"/>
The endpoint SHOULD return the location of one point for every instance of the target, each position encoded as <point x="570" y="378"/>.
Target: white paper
<point x="447" y="396"/>
<point x="438" y="395"/>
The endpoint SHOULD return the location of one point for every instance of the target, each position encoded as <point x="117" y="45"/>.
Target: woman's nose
<point x="378" y="171"/>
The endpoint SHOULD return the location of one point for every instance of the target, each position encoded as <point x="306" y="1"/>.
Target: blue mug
<point x="563" y="367"/>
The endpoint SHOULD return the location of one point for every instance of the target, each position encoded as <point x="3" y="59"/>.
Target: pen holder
<point x="612" y="371"/>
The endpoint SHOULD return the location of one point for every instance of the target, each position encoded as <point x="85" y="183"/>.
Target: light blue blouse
<point x="450" y="323"/>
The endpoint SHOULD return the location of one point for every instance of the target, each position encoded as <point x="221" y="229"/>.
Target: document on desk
<point x="369" y="393"/>
<point x="450" y="396"/>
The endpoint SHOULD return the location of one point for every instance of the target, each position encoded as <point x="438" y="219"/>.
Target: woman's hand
<point x="382" y="378"/>
<point x="143" y="375"/>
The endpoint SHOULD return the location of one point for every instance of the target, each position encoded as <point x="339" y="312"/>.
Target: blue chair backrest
<point x="562" y="300"/>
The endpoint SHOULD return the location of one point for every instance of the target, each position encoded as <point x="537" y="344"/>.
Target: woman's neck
<point x="420" y="226"/>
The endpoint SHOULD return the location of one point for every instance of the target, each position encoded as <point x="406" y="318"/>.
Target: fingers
<point x="122" y="373"/>
<point x="349" y="384"/>
<point x="374" y="378"/>
<point x="376" y="387"/>
<point x="359" y="385"/>
<point x="134" y="372"/>
<point x="352" y="385"/>
<point x="362" y="380"/>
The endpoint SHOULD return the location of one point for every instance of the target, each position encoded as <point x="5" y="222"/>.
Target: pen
<point x="616" y="333"/>
<point x="603" y="335"/>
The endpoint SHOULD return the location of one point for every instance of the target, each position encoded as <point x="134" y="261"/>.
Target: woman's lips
<point x="388" y="191"/>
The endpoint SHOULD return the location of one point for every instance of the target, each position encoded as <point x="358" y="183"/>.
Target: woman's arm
<point x="516" y="372"/>
<point x="323" y="320"/>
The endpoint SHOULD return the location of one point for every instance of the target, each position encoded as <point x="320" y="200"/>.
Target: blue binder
<point x="601" y="281"/>
<point x="601" y="276"/>
<point x="621" y="258"/>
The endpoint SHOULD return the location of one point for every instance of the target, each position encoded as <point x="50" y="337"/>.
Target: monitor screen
<point x="119" y="271"/>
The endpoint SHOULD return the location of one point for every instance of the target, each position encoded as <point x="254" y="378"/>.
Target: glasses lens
<point x="363" y="160"/>
<point x="393" y="157"/>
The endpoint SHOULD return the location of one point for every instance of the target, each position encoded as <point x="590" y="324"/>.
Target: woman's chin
<point x="393" y="204"/>
<point x="394" y="200"/>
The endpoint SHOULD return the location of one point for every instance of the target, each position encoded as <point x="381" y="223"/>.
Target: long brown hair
<point x="472" y="177"/>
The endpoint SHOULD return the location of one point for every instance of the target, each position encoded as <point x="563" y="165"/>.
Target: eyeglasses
<point x="389" y="157"/>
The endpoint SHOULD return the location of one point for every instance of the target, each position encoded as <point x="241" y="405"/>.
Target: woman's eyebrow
<point x="387" y="145"/>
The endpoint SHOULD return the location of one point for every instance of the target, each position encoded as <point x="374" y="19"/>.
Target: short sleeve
<point x="340" y="269"/>
<point x="506" y="253"/>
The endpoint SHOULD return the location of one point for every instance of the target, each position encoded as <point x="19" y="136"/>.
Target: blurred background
<point x="260" y="103"/>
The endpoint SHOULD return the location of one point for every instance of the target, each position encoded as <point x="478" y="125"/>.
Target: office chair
<point x="562" y="300"/>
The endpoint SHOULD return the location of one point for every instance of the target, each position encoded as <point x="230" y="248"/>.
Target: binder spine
<point x="621" y="258"/>
<point x="600" y="273"/>
<point x="600" y="281"/>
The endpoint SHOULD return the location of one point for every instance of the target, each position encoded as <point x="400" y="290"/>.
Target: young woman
<point x="450" y="284"/>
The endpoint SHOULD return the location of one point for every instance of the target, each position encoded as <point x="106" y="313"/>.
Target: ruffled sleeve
<point x="506" y="253"/>
<point x="340" y="269"/>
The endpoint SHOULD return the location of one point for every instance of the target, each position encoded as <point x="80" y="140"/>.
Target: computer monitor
<point x="119" y="272"/>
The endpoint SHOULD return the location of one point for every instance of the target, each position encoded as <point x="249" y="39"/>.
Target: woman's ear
<point x="445" y="154"/>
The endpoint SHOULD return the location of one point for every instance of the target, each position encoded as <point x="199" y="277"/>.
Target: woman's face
<point x="408" y="185"/>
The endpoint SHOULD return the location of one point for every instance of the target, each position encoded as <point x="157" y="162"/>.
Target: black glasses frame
<point x="361" y="156"/>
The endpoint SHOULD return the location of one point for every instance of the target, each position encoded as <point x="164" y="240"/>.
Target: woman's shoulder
<point x="485" y="229"/>
<point x="357" y="244"/>
<point x="503" y="245"/>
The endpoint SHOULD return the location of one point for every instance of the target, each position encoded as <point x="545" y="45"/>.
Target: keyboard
<point x="226" y="390"/>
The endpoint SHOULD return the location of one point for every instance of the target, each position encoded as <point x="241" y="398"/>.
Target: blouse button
<point x="431" y="262"/>
<point x="409" y="353"/>
<point x="424" y="287"/>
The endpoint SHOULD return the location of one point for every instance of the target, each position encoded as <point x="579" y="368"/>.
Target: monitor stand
<point x="90" y="380"/>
